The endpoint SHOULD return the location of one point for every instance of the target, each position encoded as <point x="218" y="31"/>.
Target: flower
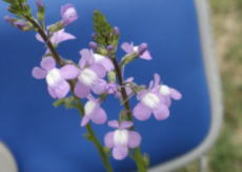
<point x="141" y="50"/>
<point x="151" y="101"/>
<point x="56" y="79"/>
<point x="121" y="139"/>
<point x="90" y="76"/>
<point x="68" y="14"/>
<point x="93" y="112"/>
<point x="57" y="37"/>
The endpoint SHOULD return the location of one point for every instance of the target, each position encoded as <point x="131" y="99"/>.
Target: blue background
<point x="46" y="139"/>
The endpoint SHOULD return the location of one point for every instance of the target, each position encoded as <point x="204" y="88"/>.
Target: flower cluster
<point x="90" y="79"/>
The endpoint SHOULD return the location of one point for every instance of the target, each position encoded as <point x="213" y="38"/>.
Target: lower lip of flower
<point x="151" y="100"/>
<point x="89" y="107"/>
<point x="121" y="137"/>
<point x="53" y="77"/>
<point x="88" y="77"/>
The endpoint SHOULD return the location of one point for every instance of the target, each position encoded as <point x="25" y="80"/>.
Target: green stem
<point x="138" y="157"/>
<point x="92" y="137"/>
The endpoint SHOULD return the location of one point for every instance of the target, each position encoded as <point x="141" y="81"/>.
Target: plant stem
<point x="138" y="157"/>
<point x="92" y="137"/>
<point x="61" y="62"/>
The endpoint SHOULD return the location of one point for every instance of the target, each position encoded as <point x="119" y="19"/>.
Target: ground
<point x="226" y="155"/>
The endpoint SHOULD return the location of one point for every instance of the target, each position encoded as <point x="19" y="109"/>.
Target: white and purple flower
<point x="56" y="79"/>
<point x="121" y="139"/>
<point x="153" y="100"/>
<point x="68" y="14"/>
<point x="94" y="112"/>
<point x="57" y="37"/>
<point x="90" y="77"/>
<point x="141" y="50"/>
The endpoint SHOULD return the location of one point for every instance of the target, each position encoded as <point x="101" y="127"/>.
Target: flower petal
<point x="113" y="124"/>
<point x="48" y="63"/>
<point x="127" y="47"/>
<point x="99" y="87"/>
<point x="134" y="139"/>
<point x="86" y="58"/>
<point x="61" y="36"/>
<point x="141" y="112"/>
<point x="38" y="73"/>
<point x="146" y="56"/>
<point x="99" y="117"/>
<point x="126" y="124"/>
<point x="85" y="121"/>
<point x="68" y="14"/>
<point x="69" y="71"/>
<point x="107" y="64"/>
<point x="108" y="140"/>
<point x="81" y="90"/>
<point x="120" y="152"/>
<point x="62" y="89"/>
<point x="162" y="112"/>
<point x="176" y="95"/>
<point x="99" y="70"/>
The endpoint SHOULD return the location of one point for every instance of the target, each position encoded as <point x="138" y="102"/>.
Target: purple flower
<point x="151" y="101"/>
<point x="93" y="112"/>
<point x="56" y="79"/>
<point x="141" y="50"/>
<point x="121" y="139"/>
<point x="68" y="14"/>
<point x="90" y="77"/>
<point x="57" y="37"/>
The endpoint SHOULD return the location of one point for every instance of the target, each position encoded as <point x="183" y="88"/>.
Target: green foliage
<point x="105" y="34"/>
<point x="69" y="102"/>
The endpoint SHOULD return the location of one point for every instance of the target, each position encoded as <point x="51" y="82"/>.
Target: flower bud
<point x="69" y="14"/>
<point x="93" y="45"/>
<point x="116" y="31"/>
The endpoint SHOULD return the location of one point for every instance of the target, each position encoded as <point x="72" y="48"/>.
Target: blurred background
<point x="226" y="155"/>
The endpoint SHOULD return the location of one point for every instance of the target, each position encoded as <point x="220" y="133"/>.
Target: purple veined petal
<point x="38" y="73"/>
<point x="85" y="121"/>
<point x="48" y="63"/>
<point x="113" y="124"/>
<point x="99" y="117"/>
<point x="146" y="56"/>
<point x="134" y="139"/>
<point x="39" y="38"/>
<point x="108" y="139"/>
<point x="162" y="112"/>
<point x="141" y="112"/>
<point x="62" y="89"/>
<point x="120" y="152"/>
<point x="176" y="95"/>
<point x="61" y="36"/>
<point x="99" y="87"/>
<point x="99" y="70"/>
<point x="127" y="47"/>
<point x="69" y="71"/>
<point x="81" y="90"/>
<point x="126" y="124"/>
